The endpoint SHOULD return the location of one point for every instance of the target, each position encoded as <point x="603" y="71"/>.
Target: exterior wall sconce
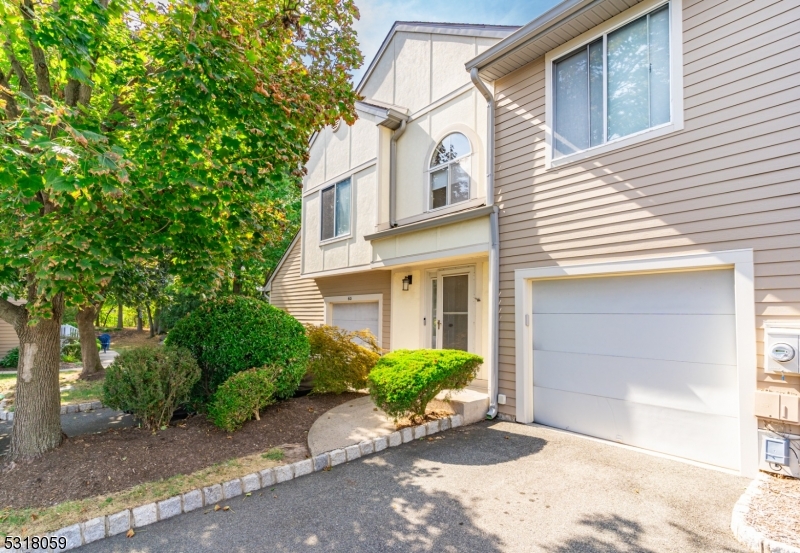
<point x="406" y="282"/>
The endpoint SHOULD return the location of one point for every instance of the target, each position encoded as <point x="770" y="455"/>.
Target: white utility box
<point x="778" y="453"/>
<point x="782" y="348"/>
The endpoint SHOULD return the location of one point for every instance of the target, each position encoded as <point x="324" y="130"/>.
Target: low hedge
<point x="234" y="334"/>
<point x="340" y="360"/>
<point x="403" y="382"/>
<point x="150" y="382"/>
<point x="241" y="397"/>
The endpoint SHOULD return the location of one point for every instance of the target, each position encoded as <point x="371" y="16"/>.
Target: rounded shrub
<point x="11" y="359"/>
<point x="404" y="381"/>
<point x="241" y="397"/>
<point x="340" y="360"/>
<point x="233" y="334"/>
<point x="150" y="382"/>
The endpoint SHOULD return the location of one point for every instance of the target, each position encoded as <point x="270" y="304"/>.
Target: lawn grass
<point x="80" y="391"/>
<point x="38" y="521"/>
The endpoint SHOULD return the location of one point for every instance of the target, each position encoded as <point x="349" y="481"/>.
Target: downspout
<point x="393" y="172"/>
<point x="494" y="250"/>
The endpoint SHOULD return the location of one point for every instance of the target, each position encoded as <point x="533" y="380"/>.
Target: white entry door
<point x="355" y="316"/>
<point x="645" y="360"/>
<point x="451" y="309"/>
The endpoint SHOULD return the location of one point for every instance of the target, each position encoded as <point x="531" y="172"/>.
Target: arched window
<point x="450" y="170"/>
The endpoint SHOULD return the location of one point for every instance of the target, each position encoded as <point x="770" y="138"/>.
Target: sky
<point x="377" y="17"/>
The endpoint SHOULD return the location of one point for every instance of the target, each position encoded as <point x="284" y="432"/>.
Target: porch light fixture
<point x="406" y="282"/>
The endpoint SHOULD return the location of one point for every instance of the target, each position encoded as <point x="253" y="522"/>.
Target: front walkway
<point x="489" y="487"/>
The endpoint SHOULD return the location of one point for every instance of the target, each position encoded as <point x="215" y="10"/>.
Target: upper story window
<point x="613" y="87"/>
<point x="336" y="210"/>
<point x="449" y="171"/>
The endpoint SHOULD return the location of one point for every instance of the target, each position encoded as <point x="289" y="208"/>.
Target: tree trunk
<point x="119" y="316"/>
<point x="99" y="311"/>
<point x="37" y="415"/>
<point x="90" y="355"/>
<point x="150" y="322"/>
<point x="139" y="322"/>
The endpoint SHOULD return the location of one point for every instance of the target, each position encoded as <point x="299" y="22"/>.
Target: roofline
<point x="462" y="29"/>
<point x="268" y="286"/>
<point x="554" y="17"/>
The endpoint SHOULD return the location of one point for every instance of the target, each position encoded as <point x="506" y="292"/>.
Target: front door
<point x="451" y="310"/>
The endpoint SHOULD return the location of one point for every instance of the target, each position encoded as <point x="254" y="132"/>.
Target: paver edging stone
<point x="143" y="515"/>
<point x="746" y="534"/>
<point x="6" y="415"/>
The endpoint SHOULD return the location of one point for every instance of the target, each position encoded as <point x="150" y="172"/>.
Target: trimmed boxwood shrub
<point x="340" y="360"/>
<point x="11" y="359"/>
<point x="232" y="334"/>
<point x="150" y="382"/>
<point x="405" y="381"/>
<point x="241" y="397"/>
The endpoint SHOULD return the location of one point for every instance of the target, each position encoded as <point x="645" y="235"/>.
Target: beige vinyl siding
<point x="729" y="180"/>
<point x="364" y="283"/>
<point x="298" y="296"/>
<point x="303" y="298"/>
<point x="8" y="338"/>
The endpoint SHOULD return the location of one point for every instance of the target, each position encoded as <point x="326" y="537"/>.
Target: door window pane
<point x="459" y="187"/>
<point x="439" y="188"/>
<point x="343" y="208"/>
<point x="659" y="67"/>
<point x="328" y="212"/>
<point x="628" y="80"/>
<point x="455" y="312"/>
<point x="456" y="294"/>
<point x="456" y="331"/>
<point x="434" y="299"/>
<point x="571" y="104"/>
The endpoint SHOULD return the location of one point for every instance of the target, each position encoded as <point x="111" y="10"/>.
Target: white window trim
<point x="676" y="82"/>
<point x="339" y="237"/>
<point x="363" y="298"/>
<point x="741" y="261"/>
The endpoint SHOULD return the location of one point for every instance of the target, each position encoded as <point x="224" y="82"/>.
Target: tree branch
<point x="39" y="60"/>
<point x="19" y="71"/>
<point x="5" y="94"/>
<point x="9" y="312"/>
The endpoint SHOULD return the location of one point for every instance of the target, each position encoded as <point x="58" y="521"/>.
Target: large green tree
<point x="129" y="128"/>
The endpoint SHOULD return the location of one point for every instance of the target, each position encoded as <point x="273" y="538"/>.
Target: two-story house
<point x="648" y="180"/>
<point x="396" y="230"/>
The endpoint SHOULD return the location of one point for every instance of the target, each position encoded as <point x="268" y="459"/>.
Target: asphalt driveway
<point x="490" y="487"/>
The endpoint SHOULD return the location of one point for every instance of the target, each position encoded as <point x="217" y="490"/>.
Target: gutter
<point x="494" y="250"/>
<point x="393" y="172"/>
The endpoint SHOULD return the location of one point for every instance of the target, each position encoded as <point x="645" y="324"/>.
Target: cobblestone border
<point x="136" y="517"/>
<point x="6" y="415"/>
<point x="746" y="534"/>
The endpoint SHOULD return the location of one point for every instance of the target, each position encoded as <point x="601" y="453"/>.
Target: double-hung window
<point x="615" y="86"/>
<point x="449" y="171"/>
<point x="336" y="210"/>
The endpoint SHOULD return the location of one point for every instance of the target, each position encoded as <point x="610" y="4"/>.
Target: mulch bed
<point x="99" y="464"/>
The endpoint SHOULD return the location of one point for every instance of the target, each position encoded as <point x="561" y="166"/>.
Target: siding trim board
<point x="743" y="266"/>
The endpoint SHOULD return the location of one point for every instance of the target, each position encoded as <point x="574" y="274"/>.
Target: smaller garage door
<point x="357" y="316"/>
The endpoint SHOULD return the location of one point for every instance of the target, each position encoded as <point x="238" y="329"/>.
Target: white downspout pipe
<point x="393" y="173"/>
<point x="494" y="251"/>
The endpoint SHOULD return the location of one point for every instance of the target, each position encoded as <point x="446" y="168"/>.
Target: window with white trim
<point x="615" y="86"/>
<point x="336" y="210"/>
<point x="449" y="172"/>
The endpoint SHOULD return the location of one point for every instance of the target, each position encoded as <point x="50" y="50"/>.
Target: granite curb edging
<point x="746" y="534"/>
<point x="136" y="517"/>
<point x="6" y="415"/>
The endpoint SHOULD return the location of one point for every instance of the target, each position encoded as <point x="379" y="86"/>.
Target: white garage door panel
<point x="646" y="360"/>
<point x="686" y="293"/>
<point x="703" y="388"/>
<point x="356" y="316"/>
<point x="693" y="338"/>
<point x="712" y="439"/>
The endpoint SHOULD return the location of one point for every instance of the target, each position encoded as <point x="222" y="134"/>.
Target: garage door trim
<point x="741" y="261"/>
<point x="356" y="298"/>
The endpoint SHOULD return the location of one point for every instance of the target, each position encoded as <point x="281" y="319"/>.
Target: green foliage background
<point x="240" y="397"/>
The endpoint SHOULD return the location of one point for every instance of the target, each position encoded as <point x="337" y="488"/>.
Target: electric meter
<point x="782" y="353"/>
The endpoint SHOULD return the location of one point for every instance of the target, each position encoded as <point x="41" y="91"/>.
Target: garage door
<point x="645" y="360"/>
<point x="356" y="316"/>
